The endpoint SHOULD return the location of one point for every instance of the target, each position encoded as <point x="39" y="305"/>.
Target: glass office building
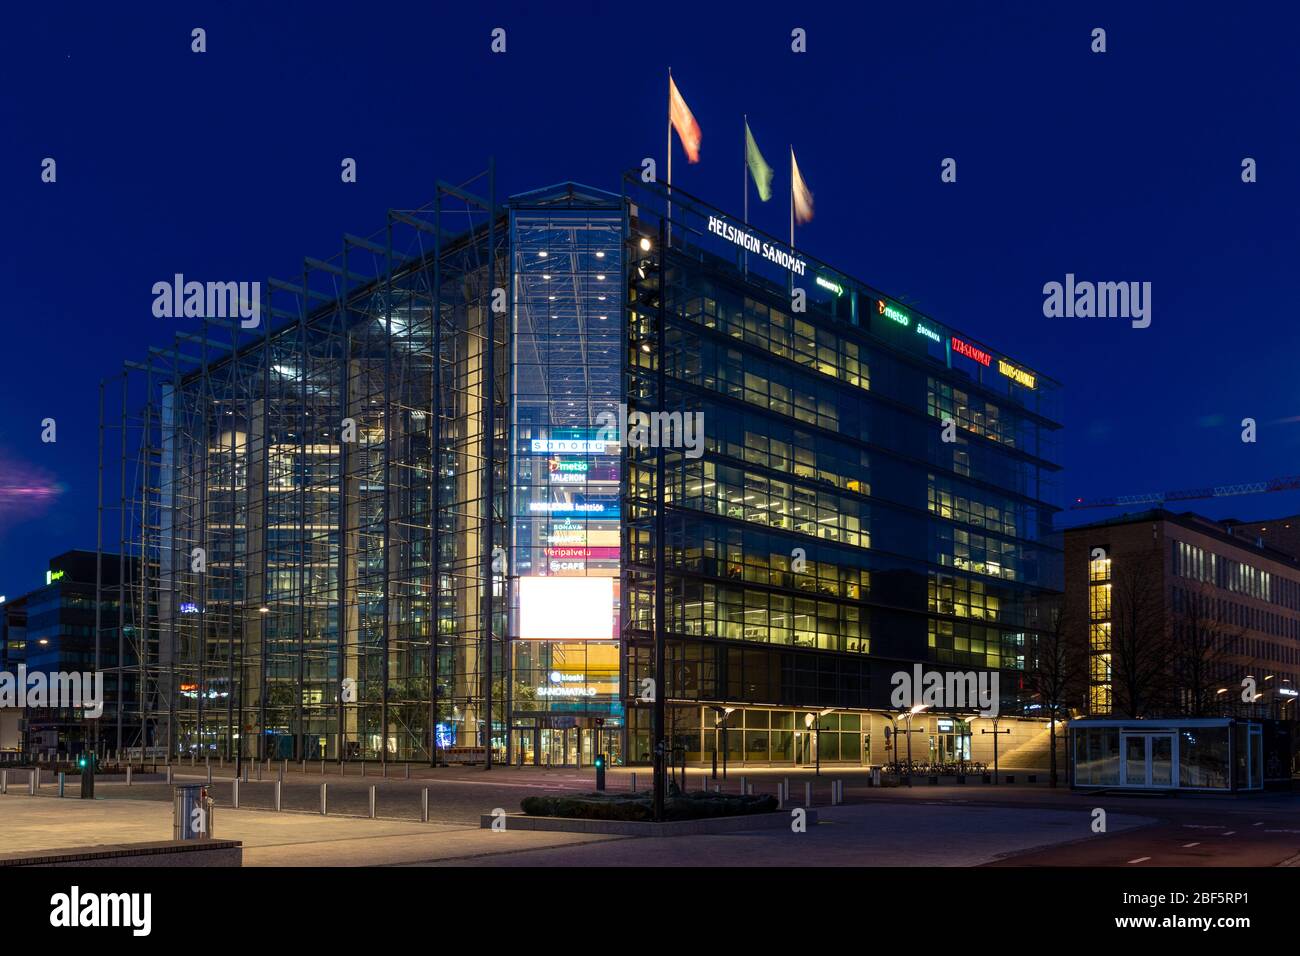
<point x="363" y="533"/>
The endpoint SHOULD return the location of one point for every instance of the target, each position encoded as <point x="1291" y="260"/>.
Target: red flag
<point x="679" y="114"/>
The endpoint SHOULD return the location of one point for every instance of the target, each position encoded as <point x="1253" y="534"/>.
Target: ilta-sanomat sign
<point x="751" y="243"/>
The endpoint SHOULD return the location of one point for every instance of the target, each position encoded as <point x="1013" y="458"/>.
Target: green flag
<point x="758" y="167"/>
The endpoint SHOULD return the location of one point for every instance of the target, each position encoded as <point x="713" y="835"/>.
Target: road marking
<point x="1230" y="833"/>
<point x="1203" y="826"/>
<point x="1260" y="824"/>
<point x="1282" y="831"/>
<point x="1189" y="845"/>
<point x="1140" y="859"/>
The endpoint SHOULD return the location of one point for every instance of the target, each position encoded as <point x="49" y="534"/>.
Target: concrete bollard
<point x="234" y="794"/>
<point x="780" y="796"/>
<point x="324" y="798"/>
<point x="284" y="767"/>
<point x="221" y="761"/>
<point x="4" y="781"/>
<point x="408" y="771"/>
<point x="373" y="788"/>
<point x="62" y="775"/>
<point x="363" y="768"/>
<point x="209" y="775"/>
<point x="32" y="782"/>
<point x="744" y="786"/>
<point x="424" y="803"/>
<point x="807" y="794"/>
<point x="343" y="768"/>
<point x="169" y="773"/>
<point x="385" y="768"/>
<point x="128" y="775"/>
<point x="278" y="785"/>
<point x="259" y="773"/>
<point x="633" y="787"/>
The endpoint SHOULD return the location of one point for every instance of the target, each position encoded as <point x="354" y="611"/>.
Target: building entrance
<point x="1148" y="760"/>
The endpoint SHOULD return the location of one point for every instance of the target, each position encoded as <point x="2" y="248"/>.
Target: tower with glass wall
<point x="361" y="533"/>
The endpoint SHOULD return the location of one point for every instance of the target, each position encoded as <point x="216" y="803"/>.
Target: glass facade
<point x="339" y="563"/>
<point x="565" y="489"/>
<point x="828" y="535"/>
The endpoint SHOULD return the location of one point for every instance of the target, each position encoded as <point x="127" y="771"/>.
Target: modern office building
<point x="1183" y="616"/>
<point x="51" y="630"/>
<point x="365" y="533"/>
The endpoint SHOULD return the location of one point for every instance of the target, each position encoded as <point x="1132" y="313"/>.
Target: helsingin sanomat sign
<point x="751" y="243"/>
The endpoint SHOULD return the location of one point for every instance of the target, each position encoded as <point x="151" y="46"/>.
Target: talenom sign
<point x="751" y="243"/>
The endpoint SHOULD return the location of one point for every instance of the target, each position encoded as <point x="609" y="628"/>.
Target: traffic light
<point x="86" y="763"/>
<point x="600" y="771"/>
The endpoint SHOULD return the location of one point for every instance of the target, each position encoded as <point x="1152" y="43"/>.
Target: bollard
<point x="373" y="788"/>
<point x="234" y="795"/>
<point x="128" y="775"/>
<point x="343" y="768"/>
<point x="284" y="767"/>
<point x="61" y="776"/>
<point x="259" y="773"/>
<point x="363" y="768"/>
<point x="424" y="806"/>
<point x="634" y="783"/>
<point x="807" y="794"/>
<point x="4" y="781"/>
<point x="209" y="775"/>
<point x="780" y="796"/>
<point x="278" y="785"/>
<point x="281" y="778"/>
<point x="744" y="786"/>
<point x="169" y="773"/>
<point x="408" y="771"/>
<point x="32" y="782"/>
<point x="322" y="766"/>
<point x="304" y="766"/>
<point x="324" y="798"/>
<point x="385" y="766"/>
<point x="717" y="788"/>
<point x="221" y="761"/>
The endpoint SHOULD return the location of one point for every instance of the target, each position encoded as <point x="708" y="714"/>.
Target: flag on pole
<point x="758" y="167"/>
<point x="682" y="120"/>
<point x="800" y="197"/>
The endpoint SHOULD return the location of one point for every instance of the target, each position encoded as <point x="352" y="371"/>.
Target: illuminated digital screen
<point x="566" y="608"/>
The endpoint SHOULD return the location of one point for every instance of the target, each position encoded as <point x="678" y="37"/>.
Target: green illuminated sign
<point x="890" y="312"/>
<point x="52" y="576"/>
<point x="830" y="286"/>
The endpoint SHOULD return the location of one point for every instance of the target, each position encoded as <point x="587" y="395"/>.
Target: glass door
<point x="1148" y="760"/>
<point x="1134" y="749"/>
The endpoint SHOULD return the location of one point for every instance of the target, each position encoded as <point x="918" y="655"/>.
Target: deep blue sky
<point x="1122" y="166"/>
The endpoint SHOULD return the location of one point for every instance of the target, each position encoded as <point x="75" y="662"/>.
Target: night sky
<point x="1122" y="166"/>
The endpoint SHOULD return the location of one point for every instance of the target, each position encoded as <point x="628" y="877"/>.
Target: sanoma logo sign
<point x="954" y="690"/>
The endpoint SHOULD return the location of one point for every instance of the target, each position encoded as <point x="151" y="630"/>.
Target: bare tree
<point x="1140" y="644"/>
<point x="1202" y="649"/>
<point x="1057" y="668"/>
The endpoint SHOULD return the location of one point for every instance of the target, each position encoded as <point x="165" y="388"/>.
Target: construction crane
<point x="1288" y="483"/>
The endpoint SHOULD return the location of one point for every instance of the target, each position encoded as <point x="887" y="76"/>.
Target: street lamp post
<point x="996" y="733"/>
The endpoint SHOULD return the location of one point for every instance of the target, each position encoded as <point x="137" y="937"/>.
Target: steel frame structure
<point x="309" y="507"/>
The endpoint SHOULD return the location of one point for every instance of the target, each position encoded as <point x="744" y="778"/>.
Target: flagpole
<point x="744" y="183"/>
<point x="669" y="230"/>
